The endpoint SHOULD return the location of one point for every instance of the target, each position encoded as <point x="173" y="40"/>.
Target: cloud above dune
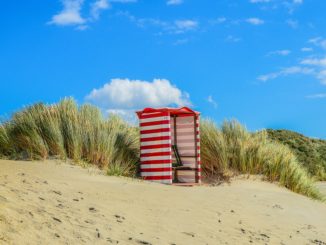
<point x="70" y="14"/>
<point x="123" y="96"/>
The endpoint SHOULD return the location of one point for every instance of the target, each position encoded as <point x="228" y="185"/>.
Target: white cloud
<point x="318" y="41"/>
<point x="70" y="15"/>
<point x="181" y="41"/>
<point x="123" y="1"/>
<point x="174" y="2"/>
<point x="298" y="1"/>
<point x="283" y="52"/>
<point x="322" y="76"/>
<point x="167" y="27"/>
<point x="126" y="94"/>
<point x="185" y="25"/>
<point x="260" y="1"/>
<point x="71" y="12"/>
<point x="292" y="23"/>
<point x="255" y="21"/>
<point x="314" y="62"/>
<point x="316" y="96"/>
<point x="287" y="71"/>
<point x="232" y="39"/>
<point x="97" y="6"/>
<point x="306" y="49"/>
<point x="211" y="100"/>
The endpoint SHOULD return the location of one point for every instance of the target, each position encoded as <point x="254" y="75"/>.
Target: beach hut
<point x="170" y="145"/>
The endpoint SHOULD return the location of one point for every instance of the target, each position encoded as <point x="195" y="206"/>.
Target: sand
<point x="56" y="203"/>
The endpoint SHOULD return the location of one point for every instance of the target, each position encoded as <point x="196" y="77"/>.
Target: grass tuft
<point x="232" y="150"/>
<point x="65" y="130"/>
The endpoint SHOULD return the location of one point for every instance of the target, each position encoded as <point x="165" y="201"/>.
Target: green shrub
<point x="311" y="153"/>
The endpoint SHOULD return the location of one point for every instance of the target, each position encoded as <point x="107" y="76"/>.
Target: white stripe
<point x="186" y="130"/>
<point x="155" y="158"/>
<point x="161" y="165"/>
<point x="158" y="142"/>
<point x="144" y="136"/>
<point x="155" y="127"/>
<point x="187" y="144"/>
<point x="189" y="119"/>
<point x="189" y="161"/>
<point x="186" y="137"/>
<point x="167" y="173"/>
<point x="154" y="119"/>
<point x="163" y="181"/>
<point x="144" y="151"/>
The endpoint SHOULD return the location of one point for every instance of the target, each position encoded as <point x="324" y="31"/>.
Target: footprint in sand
<point x="92" y="209"/>
<point x="60" y="206"/>
<point x="3" y="199"/>
<point x="88" y="221"/>
<point x="112" y="241"/>
<point x="119" y="218"/>
<point x="277" y="206"/>
<point x="56" y="219"/>
<point x="189" y="234"/>
<point x="143" y="242"/>
<point x="57" y="192"/>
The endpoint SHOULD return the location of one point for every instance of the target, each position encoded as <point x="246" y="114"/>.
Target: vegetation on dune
<point x="232" y="150"/>
<point x="310" y="152"/>
<point x="66" y="130"/>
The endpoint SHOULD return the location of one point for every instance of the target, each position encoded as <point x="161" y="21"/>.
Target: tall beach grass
<point x="231" y="150"/>
<point x="65" y="130"/>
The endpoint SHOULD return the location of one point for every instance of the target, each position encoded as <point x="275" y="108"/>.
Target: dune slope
<point x="55" y="203"/>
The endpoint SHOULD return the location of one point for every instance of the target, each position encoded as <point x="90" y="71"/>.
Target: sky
<point x="262" y="62"/>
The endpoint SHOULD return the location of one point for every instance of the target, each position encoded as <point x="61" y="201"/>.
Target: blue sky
<point x="260" y="61"/>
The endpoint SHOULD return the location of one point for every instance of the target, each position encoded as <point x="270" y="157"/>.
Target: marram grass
<point x="232" y="149"/>
<point x="65" y="130"/>
<point x="81" y="133"/>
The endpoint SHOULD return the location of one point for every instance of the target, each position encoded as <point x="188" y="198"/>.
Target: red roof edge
<point x="172" y="111"/>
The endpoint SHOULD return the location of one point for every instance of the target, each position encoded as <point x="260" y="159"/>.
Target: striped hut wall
<point x="198" y="177"/>
<point x="155" y="147"/>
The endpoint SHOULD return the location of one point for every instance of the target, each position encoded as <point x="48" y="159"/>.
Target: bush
<point x="311" y="153"/>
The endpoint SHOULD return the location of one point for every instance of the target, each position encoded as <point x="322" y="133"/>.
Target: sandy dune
<point x="52" y="203"/>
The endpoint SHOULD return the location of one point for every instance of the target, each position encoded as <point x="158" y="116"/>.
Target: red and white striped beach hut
<point x="170" y="145"/>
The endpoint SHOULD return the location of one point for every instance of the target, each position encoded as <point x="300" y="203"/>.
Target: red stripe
<point x="144" y="147"/>
<point x="154" y="123"/>
<point x="155" y="138"/>
<point x="157" y="177"/>
<point x="152" y="115"/>
<point x="152" y="131"/>
<point x="156" y="161"/>
<point x="155" y="154"/>
<point x="156" y="170"/>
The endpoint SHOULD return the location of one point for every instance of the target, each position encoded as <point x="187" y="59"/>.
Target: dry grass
<point x="232" y="150"/>
<point x="65" y="130"/>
